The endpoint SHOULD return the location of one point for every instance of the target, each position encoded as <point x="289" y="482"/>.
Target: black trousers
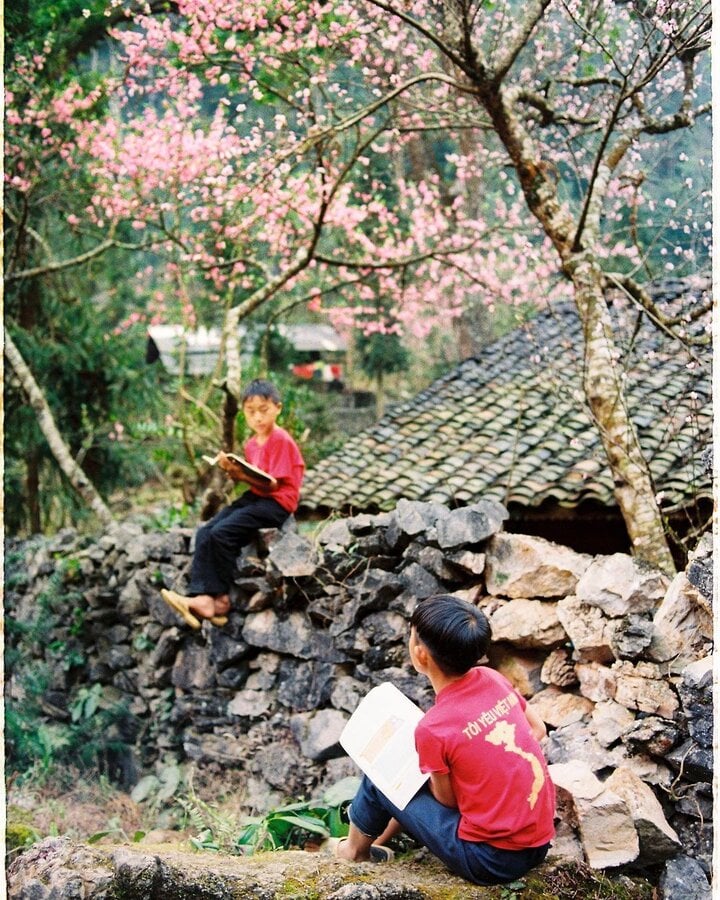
<point x="219" y="541"/>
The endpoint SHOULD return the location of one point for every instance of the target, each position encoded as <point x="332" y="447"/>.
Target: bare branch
<point x="669" y="324"/>
<point x="532" y="17"/>
<point x="427" y="33"/>
<point x="52" y="267"/>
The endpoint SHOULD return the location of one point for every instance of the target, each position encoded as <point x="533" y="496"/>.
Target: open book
<point x="380" y="738"/>
<point x="247" y="467"/>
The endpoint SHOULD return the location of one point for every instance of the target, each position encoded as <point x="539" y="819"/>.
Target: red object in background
<point x="304" y="370"/>
<point x="322" y="371"/>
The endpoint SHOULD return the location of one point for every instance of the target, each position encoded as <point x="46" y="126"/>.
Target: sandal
<point x="179" y="604"/>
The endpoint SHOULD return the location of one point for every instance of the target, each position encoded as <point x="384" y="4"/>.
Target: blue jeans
<point x="435" y="826"/>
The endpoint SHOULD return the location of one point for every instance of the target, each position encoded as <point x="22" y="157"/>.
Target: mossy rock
<point x="19" y="837"/>
<point x="166" y="872"/>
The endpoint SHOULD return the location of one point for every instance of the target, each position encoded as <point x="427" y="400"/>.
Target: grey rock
<point x="419" y="582"/>
<point x="375" y="588"/>
<point x="318" y="734"/>
<point x="250" y="704"/>
<point x="192" y="669"/>
<point x="292" y="634"/>
<point x="632" y="637"/>
<point x="335" y="534"/>
<point x="225" y="649"/>
<point x="470" y="524"/>
<point x="305" y="685"/>
<point x="696" y="696"/>
<point x="684" y="879"/>
<point x="361" y="524"/>
<point x="697" y="802"/>
<point x="653" y="735"/>
<point x="700" y="576"/>
<point x="293" y="556"/>
<point x="693" y="761"/>
<point x="414" y="516"/>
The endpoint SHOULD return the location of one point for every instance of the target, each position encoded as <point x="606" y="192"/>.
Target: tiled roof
<point x="513" y="424"/>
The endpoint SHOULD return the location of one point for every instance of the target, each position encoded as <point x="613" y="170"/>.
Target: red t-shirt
<point x="477" y="732"/>
<point x="280" y="457"/>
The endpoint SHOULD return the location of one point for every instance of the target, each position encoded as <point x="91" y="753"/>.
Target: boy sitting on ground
<point x="488" y="809"/>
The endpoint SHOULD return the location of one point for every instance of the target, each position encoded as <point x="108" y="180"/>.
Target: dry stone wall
<point x="615" y="657"/>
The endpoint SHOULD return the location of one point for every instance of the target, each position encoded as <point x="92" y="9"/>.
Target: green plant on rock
<point x="40" y="748"/>
<point x="19" y="835"/>
<point x="86" y="702"/>
<point x="291" y="826"/>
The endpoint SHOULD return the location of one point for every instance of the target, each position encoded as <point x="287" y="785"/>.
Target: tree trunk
<point x="59" y="449"/>
<point x="380" y="395"/>
<point x="32" y="490"/>
<point x="634" y="488"/>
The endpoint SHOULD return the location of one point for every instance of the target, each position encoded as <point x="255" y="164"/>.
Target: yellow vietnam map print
<point x="503" y="734"/>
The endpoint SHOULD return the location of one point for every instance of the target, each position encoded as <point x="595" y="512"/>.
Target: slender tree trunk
<point x="59" y="449"/>
<point x="379" y="395"/>
<point x="634" y="488"/>
<point x="32" y="490"/>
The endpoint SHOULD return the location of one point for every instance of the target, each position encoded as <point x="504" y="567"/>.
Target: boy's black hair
<point x="261" y="388"/>
<point x="456" y="633"/>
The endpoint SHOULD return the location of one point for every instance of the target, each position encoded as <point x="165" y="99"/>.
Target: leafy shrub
<point x="292" y="826"/>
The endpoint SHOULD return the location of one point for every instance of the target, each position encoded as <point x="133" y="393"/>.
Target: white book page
<point x="380" y="738"/>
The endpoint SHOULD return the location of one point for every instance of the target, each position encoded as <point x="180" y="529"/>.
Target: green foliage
<point x="86" y="703"/>
<point x="20" y="832"/>
<point x="382" y="354"/>
<point x="174" y="516"/>
<point x="41" y="750"/>
<point x="70" y="27"/>
<point x="286" y="827"/>
<point x="155" y="790"/>
<point x="512" y="891"/>
<point x="90" y="383"/>
<point x="41" y="740"/>
<point x="116" y="830"/>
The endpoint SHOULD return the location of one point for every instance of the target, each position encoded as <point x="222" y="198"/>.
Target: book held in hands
<point x="248" y="468"/>
<point x="380" y="738"/>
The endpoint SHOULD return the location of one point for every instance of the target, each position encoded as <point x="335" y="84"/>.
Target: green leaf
<point x="307" y="823"/>
<point x="144" y="788"/>
<point x="94" y="838"/>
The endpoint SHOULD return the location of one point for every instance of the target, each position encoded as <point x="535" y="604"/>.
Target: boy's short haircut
<point x="261" y="388"/>
<point x="456" y="633"/>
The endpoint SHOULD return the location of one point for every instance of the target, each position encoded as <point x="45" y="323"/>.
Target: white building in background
<point x="200" y="348"/>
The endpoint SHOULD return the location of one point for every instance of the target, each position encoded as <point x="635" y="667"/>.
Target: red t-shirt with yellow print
<point x="477" y="733"/>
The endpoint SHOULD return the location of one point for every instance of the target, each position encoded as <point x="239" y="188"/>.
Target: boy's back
<point x="477" y="733"/>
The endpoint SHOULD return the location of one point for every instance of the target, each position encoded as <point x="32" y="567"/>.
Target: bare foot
<point x="222" y="605"/>
<point x="202" y="605"/>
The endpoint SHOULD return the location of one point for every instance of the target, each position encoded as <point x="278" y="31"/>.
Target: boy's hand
<point x="233" y="469"/>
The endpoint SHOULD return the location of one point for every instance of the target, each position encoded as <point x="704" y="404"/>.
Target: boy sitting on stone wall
<point x="263" y="505"/>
